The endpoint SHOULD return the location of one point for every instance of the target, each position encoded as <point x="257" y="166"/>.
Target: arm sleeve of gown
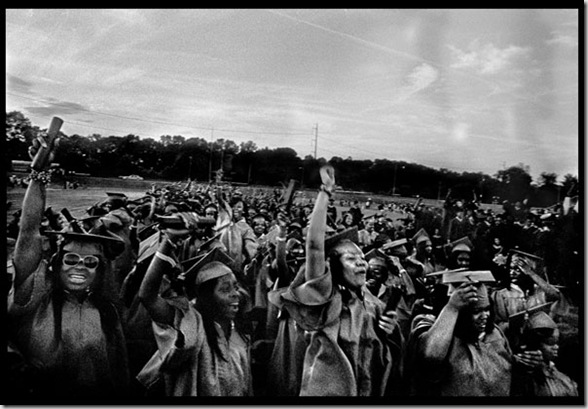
<point x="41" y="285"/>
<point x="177" y="346"/>
<point x="313" y="304"/>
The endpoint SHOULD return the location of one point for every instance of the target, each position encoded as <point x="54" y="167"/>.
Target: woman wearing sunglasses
<point x="62" y="322"/>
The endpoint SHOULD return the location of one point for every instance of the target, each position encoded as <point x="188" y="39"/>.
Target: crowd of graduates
<point x="197" y="289"/>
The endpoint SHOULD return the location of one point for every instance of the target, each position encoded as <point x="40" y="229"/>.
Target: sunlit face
<point x="354" y="266"/>
<point x="226" y="297"/>
<point x="259" y="226"/>
<point x="549" y="347"/>
<point x="81" y="276"/>
<point x="238" y="210"/>
<point x="210" y="212"/>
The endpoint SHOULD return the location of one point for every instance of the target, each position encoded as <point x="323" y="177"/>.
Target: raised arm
<point x="159" y="310"/>
<point x="315" y="239"/>
<point x="164" y="260"/>
<point x="28" y="249"/>
<point x="282" y="265"/>
<point x="436" y="341"/>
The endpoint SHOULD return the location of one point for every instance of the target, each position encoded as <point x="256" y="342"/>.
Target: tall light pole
<point x="301" y="168"/>
<point x="210" y="157"/>
<point x="190" y="170"/>
<point x="394" y="183"/>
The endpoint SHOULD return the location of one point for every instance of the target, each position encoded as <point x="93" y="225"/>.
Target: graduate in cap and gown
<point x="461" y="352"/>
<point x="351" y="336"/>
<point x="539" y="331"/>
<point x="62" y="317"/>
<point x="202" y="349"/>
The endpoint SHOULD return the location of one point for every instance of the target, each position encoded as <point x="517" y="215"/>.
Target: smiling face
<point x="80" y="276"/>
<point x="225" y="296"/>
<point x="354" y="266"/>
<point x="238" y="209"/>
<point x="259" y="225"/>
<point x="377" y="270"/>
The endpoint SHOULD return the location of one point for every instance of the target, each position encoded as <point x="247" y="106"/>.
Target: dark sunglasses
<point x="72" y="259"/>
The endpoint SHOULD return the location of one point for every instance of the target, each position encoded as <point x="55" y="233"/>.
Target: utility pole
<point x="210" y="158"/>
<point x="315" y="139"/>
<point x="190" y="171"/>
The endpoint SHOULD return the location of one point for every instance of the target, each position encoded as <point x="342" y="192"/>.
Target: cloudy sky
<point x="467" y="90"/>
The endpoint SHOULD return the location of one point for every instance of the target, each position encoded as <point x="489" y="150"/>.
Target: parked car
<point x="132" y="177"/>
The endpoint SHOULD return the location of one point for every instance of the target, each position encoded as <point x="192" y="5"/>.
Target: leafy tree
<point x="515" y="182"/>
<point x="547" y="179"/>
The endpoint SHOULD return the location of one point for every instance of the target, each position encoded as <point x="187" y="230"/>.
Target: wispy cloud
<point x="58" y="108"/>
<point x="488" y="59"/>
<point x="560" y="38"/>
<point x="422" y="76"/>
<point x="17" y="84"/>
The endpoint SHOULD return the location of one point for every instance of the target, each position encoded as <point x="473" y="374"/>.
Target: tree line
<point x="174" y="157"/>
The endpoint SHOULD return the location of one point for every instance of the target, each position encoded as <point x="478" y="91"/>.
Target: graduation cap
<point x="531" y="317"/>
<point x="112" y="244"/>
<point x="454" y="278"/>
<point x="420" y="237"/>
<point x="389" y="245"/>
<point x="375" y="253"/>
<point x="349" y="234"/>
<point x="459" y="276"/>
<point x="116" y="195"/>
<point x="463" y="244"/>
<point x="527" y="256"/>
<point x="88" y="222"/>
<point x="197" y="274"/>
<point x="148" y="247"/>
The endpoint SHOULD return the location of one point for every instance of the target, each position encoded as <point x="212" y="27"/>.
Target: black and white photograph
<point x="292" y="206"/>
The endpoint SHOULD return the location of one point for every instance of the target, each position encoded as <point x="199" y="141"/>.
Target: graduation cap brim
<point x="395" y="243"/>
<point x="483" y="276"/>
<point x="461" y="244"/>
<point x="87" y="237"/>
<point x="441" y="272"/>
<point x="89" y="218"/>
<point x="349" y="234"/>
<point x="517" y="320"/>
<point x="115" y="194"/>
<point x="528" y="255"/>
<point x="216" y="254"/>
<point x="420" y="236"/>
<point x="375" y="253"/>
<point x="146" y="231"/>
<point x="148" y="247"/>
